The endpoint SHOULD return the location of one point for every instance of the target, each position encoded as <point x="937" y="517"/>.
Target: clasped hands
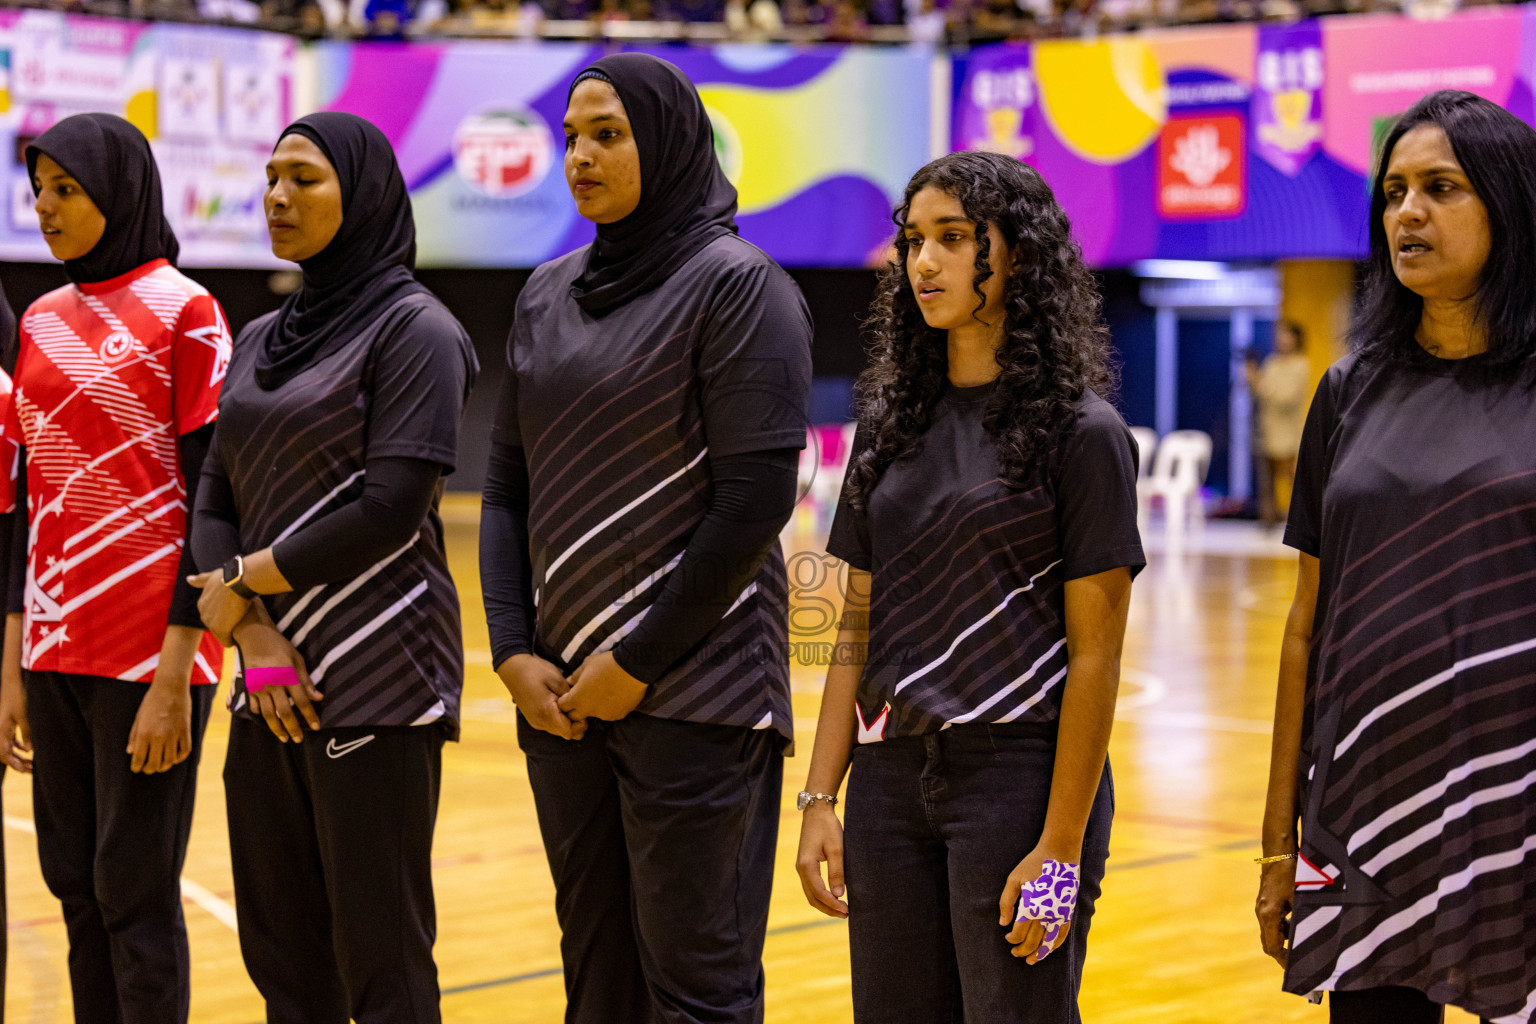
<point x="561" y="706"/>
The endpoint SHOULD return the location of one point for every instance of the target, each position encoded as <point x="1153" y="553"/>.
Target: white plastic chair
<point x="1178" y="471"/>
<point x="829" y="477"/>
<point x="1146" y="444"/>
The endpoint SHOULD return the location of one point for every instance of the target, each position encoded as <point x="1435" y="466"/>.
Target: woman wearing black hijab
<point x="108" y="676"/>
<point x="643" y="463"/>
<point x="318" y="529"/>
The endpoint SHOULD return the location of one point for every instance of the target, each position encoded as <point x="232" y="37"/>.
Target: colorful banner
<point x="211" y="101"/>
<point x="1236" y="142"/>
<point x="1288" y="97"/>
<point x="819" y="142"/>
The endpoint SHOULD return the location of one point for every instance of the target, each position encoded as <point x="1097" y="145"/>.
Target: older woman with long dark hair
<point x="989" y="520"/>
<point x="1407" y="697"/>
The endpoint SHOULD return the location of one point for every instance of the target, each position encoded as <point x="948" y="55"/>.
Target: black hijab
<point x="111" y="160"/>
<point x="685" y="200"/>
<point x="364" y="270"/>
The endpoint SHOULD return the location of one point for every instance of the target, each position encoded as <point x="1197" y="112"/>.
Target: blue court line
<point x="1130" y="865"/>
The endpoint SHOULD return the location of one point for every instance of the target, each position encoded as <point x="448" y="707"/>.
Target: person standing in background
<point x="1281" y="386"/>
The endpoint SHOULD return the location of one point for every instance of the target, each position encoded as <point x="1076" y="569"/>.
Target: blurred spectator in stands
<point x="697" y="10"/>
<point x="242" y="12"/>
<point x="925" y="22"/>
<point x="847" y="24"/>
<point x="995" y="21"/>
<point x="610" y="12"/>
<point x="760" y="19"/>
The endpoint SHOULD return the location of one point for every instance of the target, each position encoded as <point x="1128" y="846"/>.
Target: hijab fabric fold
<point x="112" y="161"/>
<point x="685" y="200"/>
<point x="366" y="268"/>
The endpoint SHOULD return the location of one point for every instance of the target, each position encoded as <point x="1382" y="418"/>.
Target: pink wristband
<point x="275" y="675"/>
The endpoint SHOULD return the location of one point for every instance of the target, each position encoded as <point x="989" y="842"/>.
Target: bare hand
<point x="221" y="609"/>
<point x="821" y="840"/>
<point x="536" y="687"/>
<point x="161" y="737"/>
<point x="1026" y="936"/>
<point x="1277" y="891"/>
<point x="15" y="733"/>
<point x="601" y="689"/>
<point x="262" y="646"/>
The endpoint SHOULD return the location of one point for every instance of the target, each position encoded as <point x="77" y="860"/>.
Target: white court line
<point x="1131" y="708"/>
<point x="221" y="909"/>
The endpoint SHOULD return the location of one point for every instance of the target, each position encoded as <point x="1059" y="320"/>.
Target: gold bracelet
<point x="1275" y="859"/>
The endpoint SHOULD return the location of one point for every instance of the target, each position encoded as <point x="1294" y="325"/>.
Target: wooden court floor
<point x="1173" y="942"/>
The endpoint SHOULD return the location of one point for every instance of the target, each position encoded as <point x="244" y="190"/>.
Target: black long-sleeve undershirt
<point x="397" y="494"/>
<point x="753" y="495"/>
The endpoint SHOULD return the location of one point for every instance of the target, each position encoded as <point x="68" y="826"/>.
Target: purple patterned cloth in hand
<point x="1050" y="899"/>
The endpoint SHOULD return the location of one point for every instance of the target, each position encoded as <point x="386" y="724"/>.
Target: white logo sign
<point x="1200" y="156"/>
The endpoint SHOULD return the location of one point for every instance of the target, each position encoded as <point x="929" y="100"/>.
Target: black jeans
<point x="331" y="845"/>
<point x="660" y="836"/>
<point x="934" y="826"/>
<point x="1392" y="1005"/>
<point x="111" y="844"/>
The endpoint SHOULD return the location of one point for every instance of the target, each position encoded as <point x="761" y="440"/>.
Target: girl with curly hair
<point x="989" y="523"/>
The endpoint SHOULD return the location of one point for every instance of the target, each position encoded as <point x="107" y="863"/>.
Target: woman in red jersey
<point x="108" y="675"/>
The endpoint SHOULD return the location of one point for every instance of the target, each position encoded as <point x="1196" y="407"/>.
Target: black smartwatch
<point x="234" y="569"/>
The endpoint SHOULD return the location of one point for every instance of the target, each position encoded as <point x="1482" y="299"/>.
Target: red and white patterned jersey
<point x="8" y="448"/>
<point x="109" y="376"/>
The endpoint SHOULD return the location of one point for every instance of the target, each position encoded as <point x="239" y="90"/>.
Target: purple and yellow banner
<point x="819" y="142"/>
<point x="211" y="100"/>
<point x="1229" y="142"/>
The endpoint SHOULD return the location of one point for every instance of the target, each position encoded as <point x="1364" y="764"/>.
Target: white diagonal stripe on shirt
<point x="368" y="630"/>
<point x="987" y="705"/>
<point x="1314" y="923"/>
<point x="629" y="627"/>
<point x="299" y="606"/>
<point x="116" y="578"/>
<point x="149" y="664"/>
<point x="309" y="513"/>
<point x="1359" y="837"/>
<point x="346" y="592"/>
<point x="79" y="557"/>
<point x="1361" y="951"/>
<point x="1423" y="834"/>
<point x="614" y="608"/>
<point x="994" y="613"/>
<point x="117" y="514"/>
<point x="1414" y="692"/>
<point x="1036" y="697"/>
<point x="549" y="573"/>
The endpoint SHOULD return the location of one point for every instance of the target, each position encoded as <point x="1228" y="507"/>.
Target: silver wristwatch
<point x="805" y="800"/>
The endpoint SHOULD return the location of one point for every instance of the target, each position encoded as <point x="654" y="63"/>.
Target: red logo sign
<point x="503" y="153"/>
<point x="1202" y="168"/>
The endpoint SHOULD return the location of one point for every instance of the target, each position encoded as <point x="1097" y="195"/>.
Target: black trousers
<point x="331" y="845"/>
<point x="934" y="826"/>
<point x="1394" y="1005"/>
<point x="5" y="919"/>
<point x="660" y="836"/>
<point x="111" y="844"/>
